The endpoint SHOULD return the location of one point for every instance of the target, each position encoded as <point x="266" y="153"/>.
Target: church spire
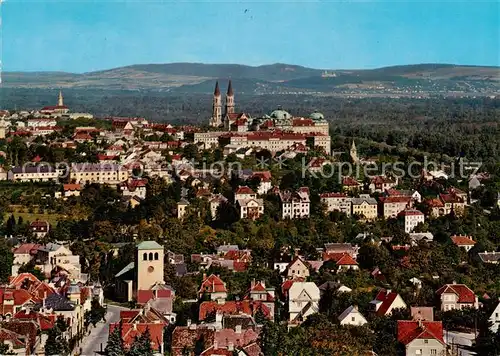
<point x="217" y="90"/>
<point x="60" y="101"/>
<point x="230" y="89"/>
<point x="229" y="99"/>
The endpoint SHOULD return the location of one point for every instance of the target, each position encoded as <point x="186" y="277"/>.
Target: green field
<point x="53" y="219"/>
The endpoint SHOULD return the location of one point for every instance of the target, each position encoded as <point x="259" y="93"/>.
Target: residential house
<point x="414" y="195"/>
<point x="365" y="207"/>
<point x="215" y="201"/>
<point x="234" y="307"/>
<point x="392" y="206"/>
<point x="131" y="331"/>
<point x="295" y="205"/>
<point x="265" y="184"/>
<point x="297" y="268"/>
<point x="457" y="296"/>
<point x="335" y="286"/>
<point x="422" y="313"/>
<point x="182" y="208"/>
<point x="336" y="247"/>
<point x="343" y="261"/>
<point x="489" y="257"/>
<point x="251" y="208"/>
<point x="411" y="218"/>
<point x="213" y="287"/>
<point x="350" y="184"/>
<point x="453" y="202"/>
<point x="352" y="316"/>
<point x="52" y="255"/>
<point x="303" y="300"/>
<point x="421" y="236"/>
<point x="40" y="228"/>
<point x="380" y="184"/>
<point x="23" y="254"/>
<point x="71" y="190"/>
<point x="387" y="300"/>
<point x="134" y="187"/>
<point x="495" y="319"/>
<point x="337" y="202"/>
<point x="421" y="337"/>
<point x="466" y="242"/>
<point x="259" y="293"/>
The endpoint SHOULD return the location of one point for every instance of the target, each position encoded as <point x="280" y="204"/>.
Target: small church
<point x="58" y="109"/>
<point x="145" y="273"/>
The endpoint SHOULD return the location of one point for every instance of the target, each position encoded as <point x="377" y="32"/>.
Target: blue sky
<point x="81" y="36"/>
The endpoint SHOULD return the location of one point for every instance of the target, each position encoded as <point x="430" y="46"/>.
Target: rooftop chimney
<point x="230" y="346"/>
<point x="237" y="329"/>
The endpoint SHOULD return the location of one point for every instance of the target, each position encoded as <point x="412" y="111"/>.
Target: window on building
<point x="145" y="257"/>
<point x="156" y="256"/>
<point x="151" y="256"/>
<point x="433" y="352"/>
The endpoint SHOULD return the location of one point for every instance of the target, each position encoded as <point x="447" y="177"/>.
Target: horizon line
<point x="253" y="66"/>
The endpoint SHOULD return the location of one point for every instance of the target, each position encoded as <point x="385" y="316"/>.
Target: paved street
<point x="460" y="340"/>
<point x="91" y="344"/>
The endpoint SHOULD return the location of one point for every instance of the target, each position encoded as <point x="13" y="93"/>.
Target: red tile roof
<point x="247" y="307"/>
<point x="144" y="296"/>
<point x="30" y="248"/>
<point x="350" y="182"/>
<point x="410" y="330"/>
<point x="410" y="212"/>
<point x="68" y="187"/>
<point x="434" y="203"/>
<point x="395" y="200"/>
<point x="131" y="331"/>
<point x="212" y="284"/>
<point x="464" y="293"/>
<point x="341" y="258"/>
<point x="462" y="240"/>
<point x="244" y="190"/>
<point x="43" y="321"/>
<point x="387" y="299"/>
<point x="451" y="198"/>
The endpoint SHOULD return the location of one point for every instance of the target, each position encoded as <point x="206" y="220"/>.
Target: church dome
<point x="317" y="116"/>
<point x="281" y="115"/>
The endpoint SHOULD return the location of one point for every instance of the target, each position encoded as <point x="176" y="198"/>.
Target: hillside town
<point x="244" y="236"/>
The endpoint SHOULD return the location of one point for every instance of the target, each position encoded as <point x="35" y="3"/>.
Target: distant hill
<point x="265" y="79"/>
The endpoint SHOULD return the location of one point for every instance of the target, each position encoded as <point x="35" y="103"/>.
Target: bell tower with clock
<point x="149" y="265"/>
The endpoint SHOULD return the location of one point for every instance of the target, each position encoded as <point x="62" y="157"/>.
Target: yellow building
<point x="103" y="173"/>
<point x="365" y="206"/>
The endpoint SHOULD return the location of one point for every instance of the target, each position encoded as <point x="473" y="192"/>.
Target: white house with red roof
<point x="134" y="188"/>
<point x="387" y="300"/>
<point x="457" y="296"/>
<point x="249" y="206"/>
<point x="421" y="337"/>
<point x="214" y="287"/>
<point x="343" y="260"/>
<point x="466" y="242"/>
<point x="411" y="218"/>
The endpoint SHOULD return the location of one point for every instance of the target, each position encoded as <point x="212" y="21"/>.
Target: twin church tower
<point x="216" y="119"/>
